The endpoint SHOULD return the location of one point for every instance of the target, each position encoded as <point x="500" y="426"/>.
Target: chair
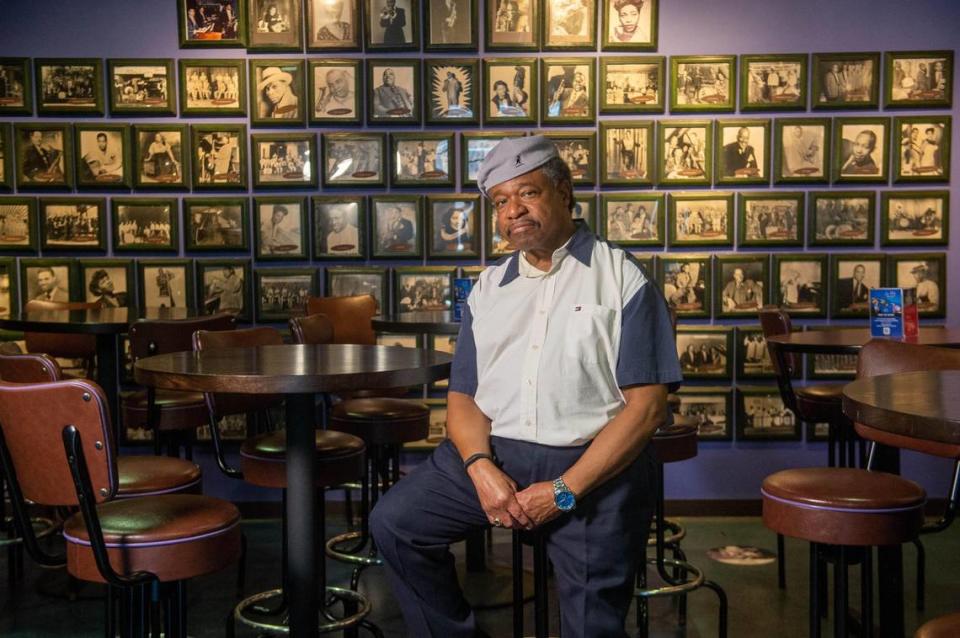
<point x="350" y="317"/>
<point x="56" y="448"/>
<point x="168" y="411"/>
<point x="62" y="345"/>
<point x="541" y="566"/>
<point x="943" y="627"/>
<point x="263" y="463"/>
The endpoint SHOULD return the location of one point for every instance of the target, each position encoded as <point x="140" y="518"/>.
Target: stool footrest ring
<point x="42" y="527"/>
<point x="336" y="552"/>
<point x="694" y="580"/>
<point x="276" y="629"/>
<point x="674" y="532"/>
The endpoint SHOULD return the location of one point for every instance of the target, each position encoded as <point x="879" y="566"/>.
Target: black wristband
<point x="473" y="458"/>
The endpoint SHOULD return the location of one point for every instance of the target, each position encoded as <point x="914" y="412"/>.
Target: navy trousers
<point x="594" y="550"/>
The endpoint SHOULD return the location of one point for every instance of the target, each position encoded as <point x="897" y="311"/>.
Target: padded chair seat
<point x="675" y="443"/>
<point x="177" y="410"/>
<point x="175" y="537"/>
<point x="943" y="627"/>
<point x="153" y="475"/>
<point x="843" y="506"/>
<point x="382" y="421"/>
<point x="819" y="403"/>
<point x="340" y="458"/>
<point x="820" y="392"/>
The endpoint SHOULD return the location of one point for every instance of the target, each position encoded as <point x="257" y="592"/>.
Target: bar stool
<point x="943" y="627"/>
<point x="672" y="444"/>
<point x="56" y="449"/>
<point x="541" y="566"/>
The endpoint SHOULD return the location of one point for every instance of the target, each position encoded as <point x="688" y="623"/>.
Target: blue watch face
<point x="565" y="500"/>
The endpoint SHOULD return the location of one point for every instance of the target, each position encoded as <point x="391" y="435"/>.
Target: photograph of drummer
<point x="563" y="364"/>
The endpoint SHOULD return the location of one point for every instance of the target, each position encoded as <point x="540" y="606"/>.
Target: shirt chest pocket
<point x="588" y="333"/>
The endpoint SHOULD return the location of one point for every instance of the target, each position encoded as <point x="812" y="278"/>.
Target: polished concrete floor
<point x="33" y="608"/>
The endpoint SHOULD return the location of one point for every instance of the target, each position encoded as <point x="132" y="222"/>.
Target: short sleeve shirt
<point x="545" y="355"/>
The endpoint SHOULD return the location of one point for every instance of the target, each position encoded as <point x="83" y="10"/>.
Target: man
<point x="343" y="236"/>
<point x="276" y="237"/>
<point x="225" y="291"/>
<point x="563" y="364"/>
<point x="452" y="89"/>
<point x="103" y="163"/>
<point x="49" y="287"/>
<point x="336" y="99"/>
<point x="801" y="154"/>
<point x="741" y="293"/>
<point x="928" y="291"/>
<point x="834" y="84"/>
<point x="740" y="156"/>
<point x="854" y="290"/>
<point x="278" y="101"/>
<point x="393" y="19"/>
<point x="397" y="235"/>
<point x="860" y="160"/>
<point x="39" y="160"/>
<point x="390" y="100"/>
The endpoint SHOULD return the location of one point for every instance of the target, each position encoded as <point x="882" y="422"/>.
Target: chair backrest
<point x="314" y="329"/>
<point x="774" y="321"/>
<point x="160" y="336"/>
<point x="58" y="344"/>
<point x="881" y="356"/>
<point x="351" y="317"/>
<point x="29" y="368"/>
<point x="222" y="404"/>
<point x="32" y="419"/>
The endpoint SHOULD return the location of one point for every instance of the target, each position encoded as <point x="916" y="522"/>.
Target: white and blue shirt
<point x="544" y="354"/>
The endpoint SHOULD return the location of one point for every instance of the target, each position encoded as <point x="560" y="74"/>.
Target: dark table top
<point x="438" y="322"/>
<point x="924" y="405"/>
<point x="293" y="369"/>
<point x="850" y="340"/>
<point x="93" y="321"/>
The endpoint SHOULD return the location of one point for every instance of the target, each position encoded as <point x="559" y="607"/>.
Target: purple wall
<point x="127" y="28"/>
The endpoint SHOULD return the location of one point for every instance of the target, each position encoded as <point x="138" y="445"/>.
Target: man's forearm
<point x="467" y="426"/>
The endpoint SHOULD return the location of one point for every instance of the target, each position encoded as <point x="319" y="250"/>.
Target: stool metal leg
<point x="540" y="606"/>
<point x="840" y="593"/>
<point x="722" y="615"/>
<point x="866" y="593"/>
<point x="517" y="550"/>
<point x="921" y="574"/>
<point x="781" y="563"/>
<point x="815" y="567"/>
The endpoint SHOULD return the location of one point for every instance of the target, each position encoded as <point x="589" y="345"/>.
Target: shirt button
<point x="534" y="347"/>
<point x="529" y="381"/>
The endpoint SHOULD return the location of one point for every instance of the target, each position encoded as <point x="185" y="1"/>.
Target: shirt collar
<point x="579" y="246"/>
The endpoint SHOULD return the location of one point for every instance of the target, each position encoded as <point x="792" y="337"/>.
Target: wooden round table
<point x="850" y="340"/>
<point x="436" y="322"/>
<point x="300" y="372"/>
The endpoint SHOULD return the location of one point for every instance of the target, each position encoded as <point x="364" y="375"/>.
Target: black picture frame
<point x="408" y="299"/>
<point x="850" y="296"/>
<point x="853" y="225"/>
<point x="346" y="281"/>
<point x="9" y="295"/>
<point x="80" y="95"/>
<point x="410" y="164"/>
<point x="903" y="270"/>
<point x="633" y="219"/>
<point x="142" y="86"/>
<point x="928" y="161"/>
<point x="799" y="283"/>
<point x="448" y="238"/>
<point x="284" y="160"/>
<point x="399" y="105"/>
<point x="914" y="217"/>
<point x="771" y="218"/>
<point x="216" y="224"/>
<point x="50" y="168"/>
<point x="734" y="299"/>
<point x="700" y="219"/>
<point x="165" y="283"/>
<point x="511" y="89"/>
<point x="63" y="286"/>
<point x="626" y="153"/>
<point x="222" y="292"/>
<point x="382" y="35"/>
<point x="909" y="89"/>
<point x="299" y="284"/>
<point x="705" y="352"/>
<point x="802" y="155"/>
<point x="335" y="87"/>
<point x="841" y="92"/>
<point x="274" y="32"/>
<point x="213" y="87"/>
<point x="161" y="158"/>
<point x="109" y="282"/>
<point x="345" y="165"/>
<point x="742" y="164"/>
<point x="710" y="408"/>
<point x="778" y="424"/>
<point x="862" y="158"/>
<point x="225" y="30"/>
<point x="440" y="20"/>
<point x="97" y="168"/>
<point x="280" y="226"/>
<point x="350" y="241"/>
<point x="517" y="31"/>
<point x="575" y="31"/>
<point x="18" y="231"/>
<point x="81" y="235"/>
<point x="18" y="73"/>
<point x="393" y="236"/>
<point x="145" y="224"/>
<point x="278" y="92"/>
<point x="6" y="158"/>
<point x="219" y="156"/>
<point x="687" y="283"/>
<point x="330" y="28"/>
<point x="452" y="89"/>
<point x="753" y="357"/>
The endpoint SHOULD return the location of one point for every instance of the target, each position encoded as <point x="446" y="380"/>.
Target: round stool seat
<point x="153" y="475"/>
<point x="819" y="402"/>
<point x="175" y="537"/>
<point x="675" y="443"/>
<point x="943" y="627"/>
<point x="263" y="458"/>
<point x="843" y="506"/>
<point x="382" y="421"/>
<point x="177" y="410"/>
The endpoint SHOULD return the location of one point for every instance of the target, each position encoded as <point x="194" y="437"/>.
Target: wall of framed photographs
<point x="245" y="154"/>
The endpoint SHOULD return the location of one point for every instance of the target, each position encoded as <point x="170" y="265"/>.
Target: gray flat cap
<point x="513" y="157"/>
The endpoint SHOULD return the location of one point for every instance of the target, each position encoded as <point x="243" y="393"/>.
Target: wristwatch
<point x="562" y="496"/>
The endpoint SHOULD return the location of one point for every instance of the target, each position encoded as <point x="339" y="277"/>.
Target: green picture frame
<point x="766" y="218"/>
<point x="354" y="159"/>
<point x="346" y="281"/>
<point x="449" y="234"/>
<point x="626" y="153"/>
<point x="633" y="219"/>
<point x="278" y="92"/>
<point x="838" y="80"/>
<point x="396" y="226"/>
<point x="63" y="287"/>
<point x="744" y="298"/>
<point x="635" y="28"/>
<point x="509" y="96"/>
<point x="710" y="408"/>
<point x="216" y="224"/>
<point x="66" y="224"/>
<point x="274" y="32"/>
<point x="440" y="29"/>
<point x="161" y="157"/>
<point x="9" y="294"/>
<point x="799" y="283"/>
<point x="841" y="218"/>
<point x="19" y="231"/>
<point x="452" y="90"/>
<point x="416" y="288"/>
<point x="403" y="20"/>
<point x="861" y="149"/>
<point x="574" y="31"/>
<point x="213" y="87"/>
<point x="923" y="149"/>
<point x="927" y="272"/>
<point x="330" y="30"/>
<point x="774" y="82"/>
<point x="219" y="156"/>
<point x="103" y="156"/>
<point x="280" y="226"/>
<point x="6" y="157"/>
<point x="687" y="283"/>
<point x="852" y="275"/>
<point x="905" y="85"/>
<point x="398" y="102"/>
<point x="753" y="358"/>
<point x="762" y="416"/>
<point x="227" y="31"/>
<point x="718" y="72"/>
<point x="701" y="219"/>
<point x="802" y="150"/>
<point x="632" y="84"/>
<point x="335" y="90"/>
<point x="914" y="217"/>
<point x="284" y="160"/>
<point x="44" y="162"/>
<point x="18" y="72"/>
<point x="685" y="152"/>
<point x="579" y="150"/>
<point x="142" y="86"/>
<point x="474" y="147"/>
<point x="145" y="224"/>
<point x="410" y="159"/>
<point x="740" y="157"/>
<point x="282" y="293"/>
<point x="705" y="352"/>
<point x="340" y="227"/>
<point x="69" y="86"/>
<point x="109" y="282"/>
<point x="519" y="31"/>
<point x="224" y="291"/>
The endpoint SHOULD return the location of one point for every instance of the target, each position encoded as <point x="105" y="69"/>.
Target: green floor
<point x="757" y="606"/>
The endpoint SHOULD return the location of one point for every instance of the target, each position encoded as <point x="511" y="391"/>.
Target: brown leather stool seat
<point x="176" y="537"/>
<point x="177" y="410"/>
<point x="263" y="458"/>
<point x="820" y="402"/>
<point x="943" y="627"/>
<point x="382" y="421"/>
<point x="843" y="506"/>
<point x="675" y="443"/>
<point x="154" y="475"/>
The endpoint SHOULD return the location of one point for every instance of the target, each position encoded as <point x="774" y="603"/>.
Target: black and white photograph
<point x="703" y="83"/>
<point x="570" y="25"/>
<point x="159" y="156"/>
<point x="629" y="24"/>
<point x="454" y="226"/>
<point x="627" y="152"/>
<point x="578" y="151"/>
<point x="211" y="23"/>
<point x="283" y="159"/>
<point x="769" y="82"/>
<point x="69" y="86"/>
<point x="453" y="87"/>
<point x="701" y="219"/>
<point x="392" y="25"/>
<point x="497" y="245"/>
<point x="741" y="285"/>
<point x="215" y="224"/>
<point x="753" y="357"/>
<point x="686" y="155"/>
<point x="18" y="224"/>
<point x="283" y="293"/>
<point x="280" y="227"/>
<point x="927" y="273"/>
<point x="423" y="288"/>
<point x="143" y="87"/>
<point x="771" y="219"/>
<point x="107" y="282"/>
<point x="802" y="150"/>
<point x="705" y="353"/>
<point x="924" y="149"/>
<point x="219" y="158"/>
<point x="915" y="217"/>
<point x="340" y="226"/>
<point x="144" y="224"/>
<point x="73" y="223"/>
<point x="846" y="80"/>
<point x="212" y="87"/>
<point x="396" y="226"/>
<point x="632" y="219"/>
<point x="8" y="287"/>
<point x="353" y="159"/>
<point x="801" y="282"/>
<point x="842" y="217"/>
<point x="365" y="280"/>
<point x="224" y="287"/>
<point x="165" y="284"/>
<point x="569" y="90"/>
<point x="333" y="25"/>
<point x="393" y="88"/>
<point x="861" y="149"/>
<point x="46" y="280"/>
<point x="833" y="366"/>
<point x="43" y="151"/>
<point x="761" y="415"/>
<point x="512" y="25"/>
<point x="687" y="284"/>
<point x="274" y="25"/>
<point x="474" y="147"/>
<point x="742" y="152"/>
<point x="451" y="25"/>
<point x="853" y="277"/>
<point x="919" y="78"/>
<point x="632" y="85"/>
<point x="334" y="89"/>
<point x="102" y="155"/>
<point x="422" y="159"/>
<point x="15" y="87"/>
<point x="710" y="408"/>
<point x="277" y="92"/>
<point x="511" y="94"/>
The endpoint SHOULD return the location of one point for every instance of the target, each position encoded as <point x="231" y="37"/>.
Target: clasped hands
<point x="502" y="502"/>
